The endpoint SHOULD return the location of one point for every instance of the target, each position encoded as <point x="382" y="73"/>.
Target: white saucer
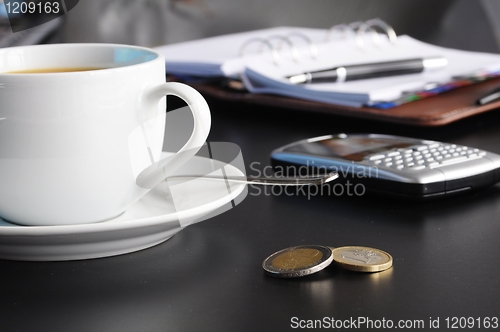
<point x="150" y="221"/>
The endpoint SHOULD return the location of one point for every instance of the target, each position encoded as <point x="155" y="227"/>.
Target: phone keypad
<point x="423" y="156"/>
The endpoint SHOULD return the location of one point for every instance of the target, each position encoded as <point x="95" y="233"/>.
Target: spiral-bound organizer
<point x="264" y="59"/>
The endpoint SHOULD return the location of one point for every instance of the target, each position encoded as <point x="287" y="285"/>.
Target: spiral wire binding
<point x="291" y="45"/>
<point x="312" y="46"/>
<point x="360" y="29"/>
<point x="343" y="28"/>
<point x="284" y="39"/>
<point x="357" y="29"/>
<point x="389" y="31"/>
<point x="262" y="41"/>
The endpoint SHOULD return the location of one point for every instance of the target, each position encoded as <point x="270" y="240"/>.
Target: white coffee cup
<point x="73" y="143"/>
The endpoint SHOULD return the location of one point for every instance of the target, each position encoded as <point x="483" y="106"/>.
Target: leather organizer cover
<point x="436" y="110"/>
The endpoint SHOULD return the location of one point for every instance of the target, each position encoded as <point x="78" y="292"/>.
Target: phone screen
<point x="350" y="148"/>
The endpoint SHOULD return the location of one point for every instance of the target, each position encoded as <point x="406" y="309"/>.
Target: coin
<point x="362" y="259"/>
<point x="298" y="261"/>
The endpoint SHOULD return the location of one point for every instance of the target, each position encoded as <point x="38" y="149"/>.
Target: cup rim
<point x="158" y="56"/>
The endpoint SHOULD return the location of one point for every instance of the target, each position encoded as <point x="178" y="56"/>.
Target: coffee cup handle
<point x="159" y="171"/>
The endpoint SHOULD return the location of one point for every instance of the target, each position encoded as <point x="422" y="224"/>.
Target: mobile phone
<point x="401" y="166"/>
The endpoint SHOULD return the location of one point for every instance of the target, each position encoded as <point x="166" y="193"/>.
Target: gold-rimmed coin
<point x="298" y="261"/>
<point x="362" y="259"/>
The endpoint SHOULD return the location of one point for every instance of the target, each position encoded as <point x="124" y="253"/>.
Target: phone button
<point x="376" y="157"/>
<point x="453" y="160"/>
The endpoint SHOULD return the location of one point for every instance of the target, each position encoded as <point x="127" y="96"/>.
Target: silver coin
<point x="298" y="261"/>
<point x="362" y="259"/>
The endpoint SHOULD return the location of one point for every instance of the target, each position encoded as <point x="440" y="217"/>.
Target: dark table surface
<point x="209" y="277"/>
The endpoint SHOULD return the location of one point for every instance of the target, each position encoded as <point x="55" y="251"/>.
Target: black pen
<point x="370" y="70"/>
<point x="489" y="97"/>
